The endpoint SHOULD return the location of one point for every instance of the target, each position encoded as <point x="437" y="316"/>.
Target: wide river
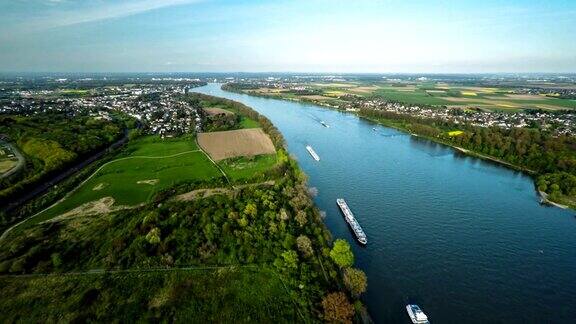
<point x="465" y="239"/>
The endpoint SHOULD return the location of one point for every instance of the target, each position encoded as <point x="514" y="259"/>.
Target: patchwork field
<point x="150" y="166"/>
<point x="236" y="143"/>
<point x="434" y="94"/>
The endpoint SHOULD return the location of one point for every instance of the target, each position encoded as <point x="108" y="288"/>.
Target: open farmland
<point x="236" y="143"/>
<point x="433" y="94"/>
<point x="150" y="166"/>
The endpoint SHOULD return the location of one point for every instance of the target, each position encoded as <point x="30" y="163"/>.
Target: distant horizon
<point x="288" y="72"/>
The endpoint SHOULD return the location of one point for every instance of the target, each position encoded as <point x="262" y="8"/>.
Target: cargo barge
<point x="351" y="220"/>
<point x="312" y="152"/>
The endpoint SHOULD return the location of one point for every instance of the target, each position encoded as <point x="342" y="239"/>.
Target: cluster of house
<point x="157" y="107"/>
<point x="553" y="92"/>
<point x="560" y="123"/>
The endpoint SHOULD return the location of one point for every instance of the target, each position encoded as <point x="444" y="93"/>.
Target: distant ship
<point x="416" y="314"/>
<point x="312" y="152"/>
<point x="324" y="124"/>
<point x="351" y="220"/>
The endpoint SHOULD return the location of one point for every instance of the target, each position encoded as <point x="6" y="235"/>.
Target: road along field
<point x="236" y="143"/>
<point x="152" y="165"/>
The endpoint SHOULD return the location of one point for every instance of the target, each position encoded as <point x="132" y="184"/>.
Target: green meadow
<point x="249" y="169"/>
<point x="150" y="166"/>
<point x="226" y="295"/>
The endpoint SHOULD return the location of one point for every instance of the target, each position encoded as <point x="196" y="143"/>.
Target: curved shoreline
<point x="542" y="195"/>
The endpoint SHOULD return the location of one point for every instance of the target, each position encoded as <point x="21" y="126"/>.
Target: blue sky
<point x="442" y="36"/>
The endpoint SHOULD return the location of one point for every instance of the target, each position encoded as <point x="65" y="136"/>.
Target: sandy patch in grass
<point x="468" y="93"/>
<point x="241" y="142"/>
<point x="100" y="186"/>
<point x="202" y="193"/>
<point x="436" y="91"/>
<point x="97" y="207"/>
<point x="148" y="182"/>
<point x="217" y="111"/>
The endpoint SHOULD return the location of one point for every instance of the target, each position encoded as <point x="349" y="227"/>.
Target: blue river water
<point x="465" y="239"/>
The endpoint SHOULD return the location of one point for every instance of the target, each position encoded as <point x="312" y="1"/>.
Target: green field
<point x="229" y="295"/>
<point x="246" y="122"/>
<point x="418" y="97"/>
<point x="428" y="93"/>
<point x="254" y="168"/>
<point x="151" y="165"/>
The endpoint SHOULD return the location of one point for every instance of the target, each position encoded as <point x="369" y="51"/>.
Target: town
<point x="159" y="108"/>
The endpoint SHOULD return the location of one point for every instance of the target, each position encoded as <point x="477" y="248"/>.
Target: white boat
<point x="324" y="124"/>
<point x="416" y="314"/>
<point x="312" y="152"/>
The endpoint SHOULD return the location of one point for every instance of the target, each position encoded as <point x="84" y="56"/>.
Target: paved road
<point x="18" y="155"/>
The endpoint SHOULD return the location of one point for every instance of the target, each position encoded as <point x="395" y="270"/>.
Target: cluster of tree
<point x="553" y="158"/>
<point x="239" y="87"/>
<point x="51" y="142"/>
<point x="275" y="226"/>
<point x="337" y="307"/>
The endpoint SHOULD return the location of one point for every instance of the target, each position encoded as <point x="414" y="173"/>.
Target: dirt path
<point x="204" y="193"/>
<point x="7" y="231"/>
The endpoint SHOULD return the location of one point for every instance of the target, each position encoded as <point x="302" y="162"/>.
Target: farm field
<point x="150" y="166"/>
<point x="431" y="93"/>
<point x="236" y="143"/>
<point x="196" y="295"/>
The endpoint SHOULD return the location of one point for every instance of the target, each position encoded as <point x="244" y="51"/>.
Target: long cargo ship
<point x="312" y="152"/>
<point x="351" y="220"/>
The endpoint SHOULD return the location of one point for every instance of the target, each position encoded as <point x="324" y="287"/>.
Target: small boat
<point x="416" y="314"/>
<point x="324" y="124"/>
<point x="373" y="128"/>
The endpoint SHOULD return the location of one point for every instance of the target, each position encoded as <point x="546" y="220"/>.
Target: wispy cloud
<point x="97" y="12"/>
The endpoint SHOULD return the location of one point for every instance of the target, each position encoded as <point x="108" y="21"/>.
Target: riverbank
<point x="400" y="127"/>
<point x="451" y="212"/>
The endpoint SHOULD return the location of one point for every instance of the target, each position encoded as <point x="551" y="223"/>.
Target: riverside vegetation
<point x="256" y="252"/>
<point x="51" y="142"/>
